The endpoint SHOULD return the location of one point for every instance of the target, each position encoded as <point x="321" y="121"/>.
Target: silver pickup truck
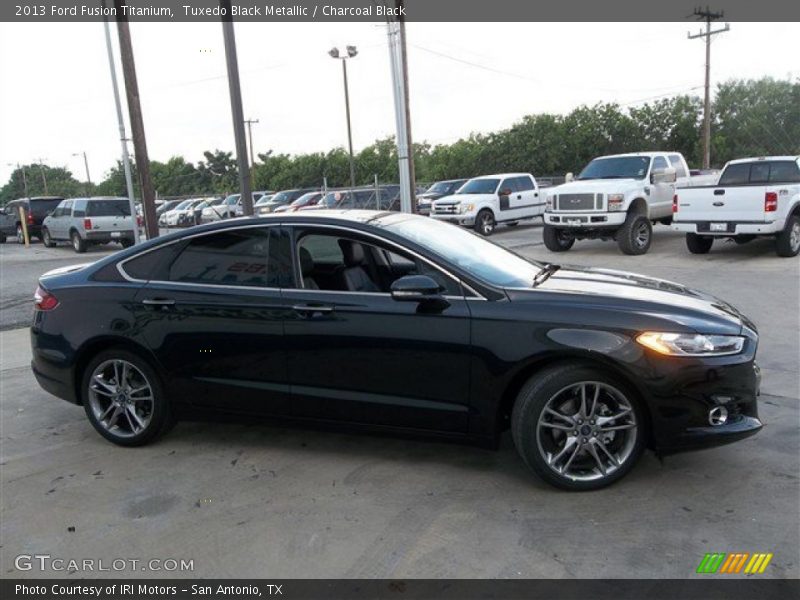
<point x="85" y="221"/>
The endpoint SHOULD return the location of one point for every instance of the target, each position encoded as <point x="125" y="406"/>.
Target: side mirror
<point x="505" y="192"/>
<point x="668" y="175"/>
<point x="415" y="288"/>
<point x="569" y="177"/>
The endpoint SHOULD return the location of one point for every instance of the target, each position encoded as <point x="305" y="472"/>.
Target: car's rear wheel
<point x="78" y="243"/>
<point x="699" y="244"/>
<point x="557" y="240"/>
<point x="635" y="235"/>
<point x="2" y="238"/>
<point x="126" y="243"/>
<point x="484" y="222"/>
<point x="788" y="240"/>
<point x="577" y="428"/>
<point x="20" y="235"/>
<point x="46" y="239"/>
<point x="124" y="399"/>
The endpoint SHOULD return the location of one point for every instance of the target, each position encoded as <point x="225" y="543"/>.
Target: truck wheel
<point x="47" y="240"/>
<point x="788" y="240"/>
<point x="635" y="235"/>
<point x="557" y="240"/>
<point x="699" y="244"/>
<point x="484" y="222"/>
<point x="77" y="242"/>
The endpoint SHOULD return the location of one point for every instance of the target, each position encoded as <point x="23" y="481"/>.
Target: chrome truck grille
<point x="571" y="202"/>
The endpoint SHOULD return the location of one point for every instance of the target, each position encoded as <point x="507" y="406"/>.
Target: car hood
<point x="456" y="198"/>
<point x="602" y="186"/>
<point x="430" y="196"/>
<point x="654" y="300"/>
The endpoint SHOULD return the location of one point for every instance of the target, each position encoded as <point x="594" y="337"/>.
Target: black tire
<point x="20" y="234"/>
<point x="635" y="235"/>
<point x="741" y="240"/>
<point x="787" y="242"/>
<point x="529" y="407"/>
<point x="46" y="239"/>
<point x="513" y="223"/>
<point x="160" y="413"/>
<point x="126" y="243"/>
<point x="484" y="222"/>
<point x="699" y="244"/>
<point x="666" y="221"/>
<point x="78" y="243"/>
<point x="556" y="240"/>
<point x="3" y="238"/>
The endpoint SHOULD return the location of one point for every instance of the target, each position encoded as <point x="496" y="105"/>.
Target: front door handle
<point x="159" y="302"/>
<point x="311" y="309"/>
<point x="719" y="192"/>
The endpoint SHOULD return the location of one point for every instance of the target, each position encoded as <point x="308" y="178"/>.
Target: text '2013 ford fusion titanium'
<point x="395" y="322"/>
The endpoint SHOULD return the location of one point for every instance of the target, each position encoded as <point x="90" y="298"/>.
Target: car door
<point x="8" y="219"/>
<point x="661" y="193"/>
<point x="358" y="355"/>
<point x="75" y="219"/>
<point x="527" y="200"/>
<point x="58" y="225"/>
<point x="213" y="315"/>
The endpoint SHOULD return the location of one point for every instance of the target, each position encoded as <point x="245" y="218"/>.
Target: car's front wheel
<point x="124" y="399"/>
<point x="484" y="222"/>
<point x="577" y="428"/>
<point x="635" y="235"/>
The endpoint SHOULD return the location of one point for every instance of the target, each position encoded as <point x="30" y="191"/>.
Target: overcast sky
<point x="56" y="95"/>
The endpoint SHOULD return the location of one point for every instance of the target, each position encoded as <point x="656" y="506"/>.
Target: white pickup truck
<point x="753" y="197"/>
<point x="484" y="202"/>
<point x="616" y="197"/>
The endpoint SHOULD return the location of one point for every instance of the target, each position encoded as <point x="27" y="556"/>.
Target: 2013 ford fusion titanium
<point x="392" y="322"/>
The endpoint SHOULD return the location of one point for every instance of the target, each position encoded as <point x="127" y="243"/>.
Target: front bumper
<point x="584" y="220"/>
<point x="732" y="228"/>
<point x="468" y="220"/>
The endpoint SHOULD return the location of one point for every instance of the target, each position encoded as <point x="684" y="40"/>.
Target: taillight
<point x="87" y="224"/>
<point x="675" y="203"/>
<point x="139" y="221"/>
<point x="29" y="219"/>
<point x="771" y="202"/>
<point x="44" y="300"/>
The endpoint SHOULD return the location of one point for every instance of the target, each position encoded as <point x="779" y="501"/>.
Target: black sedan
<point x="395" y="322"/>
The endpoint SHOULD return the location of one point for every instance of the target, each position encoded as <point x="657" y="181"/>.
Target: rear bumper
<point x="584" y="220"/>
<point x="106" y="236"/>
<point x="733" y="228"/>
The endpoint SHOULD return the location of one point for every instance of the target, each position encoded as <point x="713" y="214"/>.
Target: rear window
<point x="43" y="206"/>
<point x="761" y="172"/>
<point x="108" y="208"/>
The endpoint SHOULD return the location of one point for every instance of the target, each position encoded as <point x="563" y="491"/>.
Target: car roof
<point x="650" y="154"/>
<point x="501" y="175"/>
<point x="760" y="158"/>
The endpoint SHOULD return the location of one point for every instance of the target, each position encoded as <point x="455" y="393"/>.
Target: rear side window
<point x="79" y="208"/>
<point x="234" y="258"/>
<point x="108" y="208"/>
<point x="677" y="164"/>
<point x="151" y="265"/>
<point x="659" y="162"/>
<point x="761" y="172"/>
<point x="524" y="184"/>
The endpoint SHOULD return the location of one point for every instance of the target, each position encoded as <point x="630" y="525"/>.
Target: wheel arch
<point x="794" y="211"/>
<point x="639" y="206"/>
<point x="95" y="346"/>
<point x="523" y="375"/>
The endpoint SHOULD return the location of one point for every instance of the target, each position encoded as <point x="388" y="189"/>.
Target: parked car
<point x="617" y="197"/>
<point x="436" y="191"/>
<point x="262" y="201"/>
<point x="230" y="207"/>
<point x="87" y="221"/>
<point x="483" y="202"/>
<point x="35" y="209"/>
<point x="308" y="199"/>
<point x="755" y="197"/>
<point x="197" y="209"/>
<point x="282" y="198"/>
<point x="453" y="336"/>
<point x="357" y="198"/>
<point x="166" y="206"/>
<point x="183" y="214"/>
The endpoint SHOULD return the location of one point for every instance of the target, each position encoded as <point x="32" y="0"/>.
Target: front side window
<point x="236" y="258"/>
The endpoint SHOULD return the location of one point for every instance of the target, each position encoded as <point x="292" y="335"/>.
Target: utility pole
<point x="249" y="123"/>
<point x="44" y="177"/>
<point x="137" y="122"/>
<point x="405" y="155"/>
<point x="707" y="16"/>
<point x="86" y="166"/>
<point x="126" y="159"/>
<point x="24" y="177"/>
<point x="232" y="63"/>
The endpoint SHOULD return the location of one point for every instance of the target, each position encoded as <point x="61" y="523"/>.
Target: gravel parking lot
<point x="252" y="499"/>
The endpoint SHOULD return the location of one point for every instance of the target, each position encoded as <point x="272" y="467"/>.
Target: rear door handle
<point x="719" y="192"/>
<point x="159" y="302"/>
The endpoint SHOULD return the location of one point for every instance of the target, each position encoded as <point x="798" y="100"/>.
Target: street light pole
<point x="44" y="177"/>
<point x="86" y="165"/>
<point x="351" y="52"/>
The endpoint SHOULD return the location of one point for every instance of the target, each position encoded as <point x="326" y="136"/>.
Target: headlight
<point x="548" y="203"/>
<point x="691" y="344"/>
<point x="465" y="208"/>
<point x="616" y="201"/>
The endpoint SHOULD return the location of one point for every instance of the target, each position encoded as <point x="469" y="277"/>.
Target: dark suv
<point x="36" y="209"/>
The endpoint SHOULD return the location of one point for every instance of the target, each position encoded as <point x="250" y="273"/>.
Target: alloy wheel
<point x="794" y="237"/>
<point x="642" y="234"/>
<point x="487" y="224"/>
<point x="121" y="398"/>
<point x="587" y="431"/>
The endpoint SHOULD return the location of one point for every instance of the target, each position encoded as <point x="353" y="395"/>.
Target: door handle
<point x="719" y="192"/>
<point x="519" y="196"/>
<point x="158" y="301"/>
<point x="310" y="309"/>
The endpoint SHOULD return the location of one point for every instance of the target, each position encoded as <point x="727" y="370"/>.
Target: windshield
<point x="481" y="258"/>
<point x="182" y="205"/>
<point x="479" y="186"/>
<point x="108" y="208"/>
<point x="305" y="199"/>
<point x="281" y="197"/>
<point x="620" y="167"/>
<point x="264" y="199"/>
<point x="443" y="187"/>
<point x="232" y="199"/>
